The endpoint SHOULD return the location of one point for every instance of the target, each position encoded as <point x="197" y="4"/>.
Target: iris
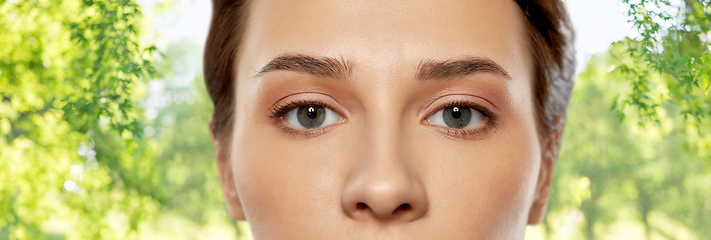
<point x="457" y="116"/>
<point x="311" y="116"/>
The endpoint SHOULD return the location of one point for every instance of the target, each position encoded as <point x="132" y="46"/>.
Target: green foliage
<point x="185" y="155"/>
<point x="184" y="150"/>
<point x="71" y="75"/>
<point x="82" y="149"/>
<point x="665" y="74"/>
<point x="608" y="167"/>
<point x="674" y="41"/>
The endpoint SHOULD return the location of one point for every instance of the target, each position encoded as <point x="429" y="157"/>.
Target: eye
<point x="456" y="117"/>
<point x="311" y="116"/>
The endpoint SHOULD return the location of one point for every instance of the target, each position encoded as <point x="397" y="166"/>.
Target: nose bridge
<point x="384" y="124"/>
<point x="384" y="113"/>
<point x="382" y="186"/>
<point x="383" y="162"/>
<point x="384" y="133"/>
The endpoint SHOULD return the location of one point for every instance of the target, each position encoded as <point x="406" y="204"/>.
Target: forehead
<point x="387" y="33"/>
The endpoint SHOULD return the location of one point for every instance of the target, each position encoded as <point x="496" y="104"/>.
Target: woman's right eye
<point x="311" y="116"/>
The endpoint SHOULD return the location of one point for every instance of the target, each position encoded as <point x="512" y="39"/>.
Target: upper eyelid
<point x="319" y="98"/>
<point x="428" y="109"/>
<point x="487" y="116"/>
<point x="460" y="94"/>
<point x="487" y="112"/>
<point x="284" y="108"/>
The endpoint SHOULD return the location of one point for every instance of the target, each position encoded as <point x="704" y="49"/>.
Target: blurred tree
<point x="77" y="149"/>
<point x="597" y="154"/>
<point x="668" y="72"/>
<point x="608" y="167"/>
<point x="184" y="151"/>
<point x="674" y="41"/>
<point x="70" y="77"/>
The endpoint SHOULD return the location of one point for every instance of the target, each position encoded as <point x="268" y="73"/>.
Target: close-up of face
<point x="385" y="120"/>
<point x="355" y="119"/>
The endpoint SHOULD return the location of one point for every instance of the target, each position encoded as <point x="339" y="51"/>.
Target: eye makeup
<point x="489" y="123"/>
<point x="281" y="110"/>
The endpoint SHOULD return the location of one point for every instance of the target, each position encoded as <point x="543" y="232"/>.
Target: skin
<point x="383" y="171"/>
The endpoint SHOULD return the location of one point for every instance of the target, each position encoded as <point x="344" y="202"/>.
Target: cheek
<point x="279" y="181"/>
<point x="484" y="186"/>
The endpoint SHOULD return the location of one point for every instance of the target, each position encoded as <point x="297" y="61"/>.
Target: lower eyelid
<point x="303" y="132"/>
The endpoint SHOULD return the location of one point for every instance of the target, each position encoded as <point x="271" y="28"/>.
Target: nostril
<point x="361" y="206"/>
<point x="403" y="207"/>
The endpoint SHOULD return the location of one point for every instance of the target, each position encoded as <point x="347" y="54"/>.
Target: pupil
<point x="457" y="116"/>
<point x="456" y="113"/>
<point x="311" y="113"/>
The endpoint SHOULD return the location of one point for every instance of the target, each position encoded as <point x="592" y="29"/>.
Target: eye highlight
<point x="464" y="119"/>
<point x="311" y="116"/>
<point x="456" y="117"/>
<point x="305" y="117"/>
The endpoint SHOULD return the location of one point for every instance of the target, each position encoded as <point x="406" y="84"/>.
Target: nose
<point x="382" y="187"/>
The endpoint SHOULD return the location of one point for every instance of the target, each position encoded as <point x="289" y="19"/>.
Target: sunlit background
<point x="128" y="155"/>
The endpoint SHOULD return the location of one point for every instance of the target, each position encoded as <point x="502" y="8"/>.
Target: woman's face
<point x="385" y="119"/>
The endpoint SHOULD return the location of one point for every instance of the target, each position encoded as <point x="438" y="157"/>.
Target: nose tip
<point x="390" y="198"/>
<point x="383" y="183"/>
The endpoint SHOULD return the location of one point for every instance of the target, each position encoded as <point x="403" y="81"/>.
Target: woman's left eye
<point x="456" y="117"/>
<point x="311" y="116"/>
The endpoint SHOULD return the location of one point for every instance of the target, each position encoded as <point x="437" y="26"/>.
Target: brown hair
<point x="229" y="18"/>
<point x="550" y="34"/>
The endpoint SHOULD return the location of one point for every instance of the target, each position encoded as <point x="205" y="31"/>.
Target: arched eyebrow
<point x="326" y="67"/>
<point x="430" y="69"/>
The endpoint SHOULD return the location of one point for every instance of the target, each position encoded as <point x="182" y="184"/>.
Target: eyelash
<point x="281" y="110"/>
<point x="491" y="118"/>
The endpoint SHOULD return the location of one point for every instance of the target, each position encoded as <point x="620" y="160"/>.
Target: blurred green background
<point x="104" y="127"/>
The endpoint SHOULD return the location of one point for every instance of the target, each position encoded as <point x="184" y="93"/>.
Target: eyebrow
<point x="321" y="67"/>
<point x="430" y="69"/>
<point x="329" y="67"/>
